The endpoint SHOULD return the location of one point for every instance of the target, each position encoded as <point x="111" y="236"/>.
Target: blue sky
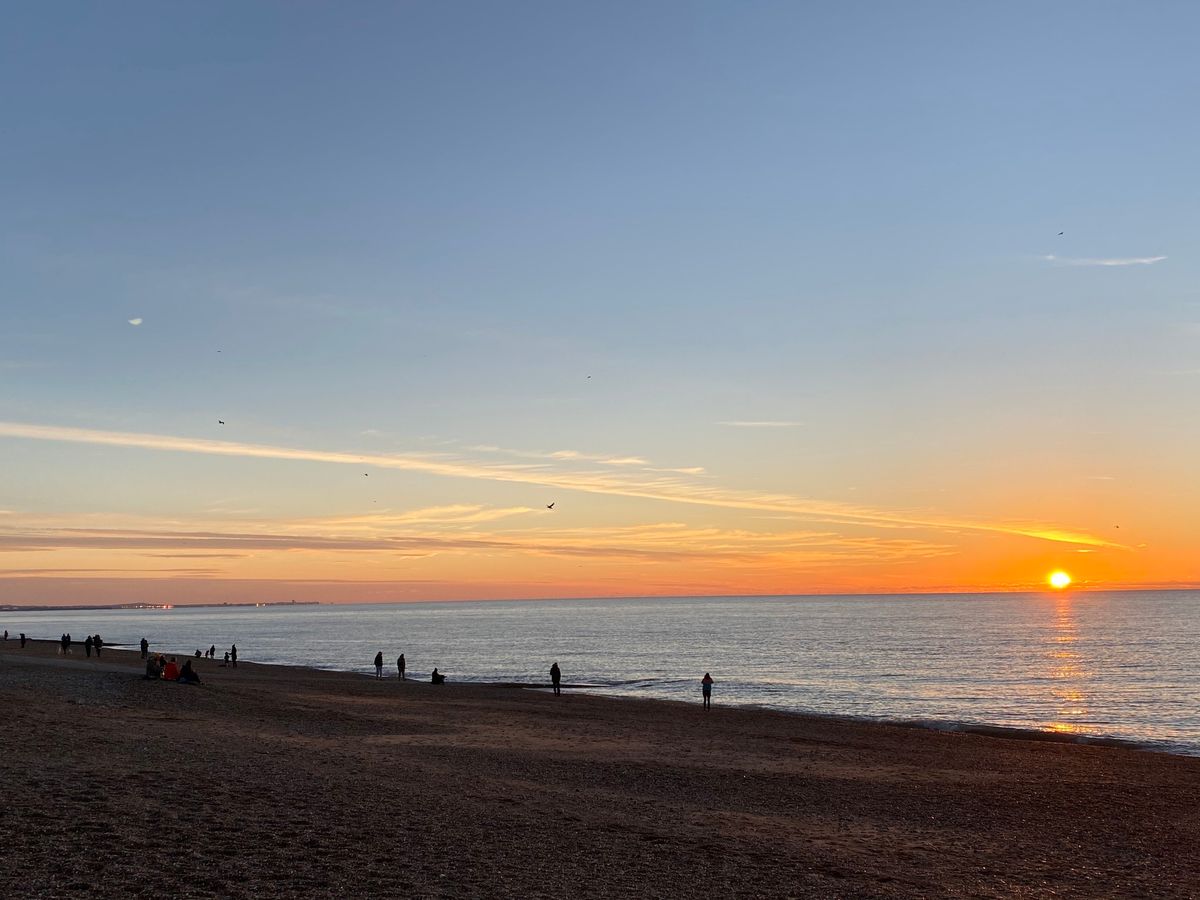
<point x="420" y="228"/>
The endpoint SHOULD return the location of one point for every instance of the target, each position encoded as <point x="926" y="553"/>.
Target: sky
<point x="333" y="301"/>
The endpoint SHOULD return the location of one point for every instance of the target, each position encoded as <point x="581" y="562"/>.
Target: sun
<point x="1059" y="580"/>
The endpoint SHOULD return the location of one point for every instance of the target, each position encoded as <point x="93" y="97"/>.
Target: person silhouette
<point x="87" y="646"/>
<point x="400" y="666"/>
<point x="22" y="640"/>
<point x="233" y="654"/>
<point x="706" y="684"/>
<point x="555" y="678"/>
<point x="98" y="643"/>
<point x="437" y="677"/>
<point x="212" y="652"/>
<point x="145" y="647"/>
<point x="379" y="664"/>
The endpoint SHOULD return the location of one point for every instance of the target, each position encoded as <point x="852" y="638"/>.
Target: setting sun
<point x="1059" y="580"/>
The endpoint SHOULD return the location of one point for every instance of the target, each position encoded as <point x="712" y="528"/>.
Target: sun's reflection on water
<point x="1068" y="669"/>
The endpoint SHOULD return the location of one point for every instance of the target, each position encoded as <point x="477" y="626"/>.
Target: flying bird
<point x="1060" y="234"/>
<point x="220" y="421"/>
<point x="551" y="506"/>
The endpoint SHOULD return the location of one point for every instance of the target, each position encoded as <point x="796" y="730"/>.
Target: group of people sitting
<point x="160" y="668"/>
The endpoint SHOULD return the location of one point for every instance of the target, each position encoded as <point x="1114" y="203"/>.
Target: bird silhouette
<point x="1060" y="234"/>
<point x="551" y="506"/>
<point x="220" y="421"/>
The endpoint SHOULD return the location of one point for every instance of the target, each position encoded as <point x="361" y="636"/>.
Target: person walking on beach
<point x="212" y="652"/>
<point x="145" y="647"/>
<point x="379" y="664"/>
<point x="98" y="643"/>
<point x="233" y="654"/>
<point x="555" y="678"/>
<point x="87" y="647"/>
<point x="706" y="684"/>
<point x="400" y="666"/>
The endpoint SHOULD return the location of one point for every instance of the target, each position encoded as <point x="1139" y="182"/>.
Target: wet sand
<point x="270" y="781"/>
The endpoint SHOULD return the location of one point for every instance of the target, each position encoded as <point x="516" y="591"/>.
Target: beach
<point x="273" y="781"/>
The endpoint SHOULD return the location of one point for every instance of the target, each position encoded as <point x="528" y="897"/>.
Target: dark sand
<point x="279" y="782"/>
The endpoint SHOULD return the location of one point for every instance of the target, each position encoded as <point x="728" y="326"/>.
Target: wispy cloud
<point x="663" y="542"/>
<point x="135" y="321"/>
<point x="670" y="489"/>
<point x="759" y="423"/>
<point x="1103" y="261"/>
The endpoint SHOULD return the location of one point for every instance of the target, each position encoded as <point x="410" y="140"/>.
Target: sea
<point x="1086" y="666"/>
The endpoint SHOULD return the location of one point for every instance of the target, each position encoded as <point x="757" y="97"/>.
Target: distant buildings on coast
<point x="17" y="608"/>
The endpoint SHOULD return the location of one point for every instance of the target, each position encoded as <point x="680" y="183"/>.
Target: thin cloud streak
<point x="670" y="490"/>
<point x="665" y="542"/>
<point x="764" y="423"/>
<point x="1104" y="261"/>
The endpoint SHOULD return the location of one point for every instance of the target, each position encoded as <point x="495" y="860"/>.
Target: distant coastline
<point x="14" y="608"/>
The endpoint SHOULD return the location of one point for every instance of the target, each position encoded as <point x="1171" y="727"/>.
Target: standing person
<point x="706" y="684"/>
<point x="555" y="678"/>
<point x="87" y="646"/>
<point x="233" y="654"/>
<point x="212" y="652"/>
<point x="67" y="642"/>
<point x="145" y="647"/>
<point x="98" y="643"/>
<point x="22" y="640"/>
<point x="400" y="666"/>
<point x="379" y="664"/>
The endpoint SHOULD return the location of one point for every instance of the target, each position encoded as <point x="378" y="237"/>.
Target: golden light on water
<point x="1059" y="580"/>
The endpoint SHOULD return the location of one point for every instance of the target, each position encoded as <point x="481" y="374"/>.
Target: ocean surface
<point x="1097" y="665"/>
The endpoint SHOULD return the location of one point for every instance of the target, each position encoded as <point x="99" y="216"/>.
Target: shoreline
<point x="945" y="726"/>
<point x="277" y="781"/>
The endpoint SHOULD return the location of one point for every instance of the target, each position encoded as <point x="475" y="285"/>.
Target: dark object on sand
<point x="188" y="675"/>
<point x="437" y="677"/>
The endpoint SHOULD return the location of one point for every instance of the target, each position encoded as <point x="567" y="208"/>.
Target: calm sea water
<point x="1121" y="665"/>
